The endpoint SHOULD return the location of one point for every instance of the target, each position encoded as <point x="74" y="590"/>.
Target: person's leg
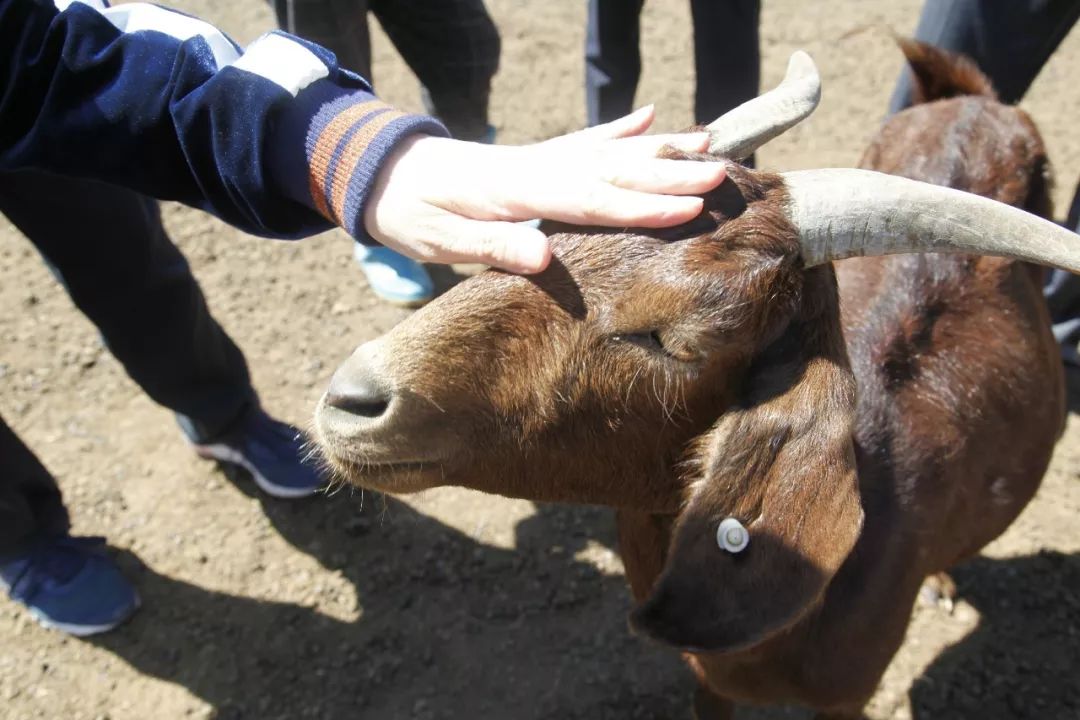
<point x="1010" y="41"/>
<point x="108" y="247"/>
<point x="341" y="27"/>
<point x="1062" y="293"/>
<point x="727" y="57"/>
<point x="453" y="47"/>
<point x="65" y="583"/>
<point x="338" y="25"/>
<point x="30" y="501"/>
<point x="612" y="58"/>
<point x="728" y="66"/>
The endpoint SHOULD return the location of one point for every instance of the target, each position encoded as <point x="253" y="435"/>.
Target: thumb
<point x="515" y="247"/>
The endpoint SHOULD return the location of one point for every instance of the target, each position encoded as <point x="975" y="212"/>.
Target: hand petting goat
<point x="441" y="200"/>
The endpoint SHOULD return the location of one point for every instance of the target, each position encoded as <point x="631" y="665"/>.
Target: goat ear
<point x="782" y="464"/>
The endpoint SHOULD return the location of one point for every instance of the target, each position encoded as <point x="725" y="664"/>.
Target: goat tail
<point x="940" y="74"/>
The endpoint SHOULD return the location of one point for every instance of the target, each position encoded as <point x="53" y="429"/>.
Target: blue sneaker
<point x="394" y="277"/>
<point x="68" y="584"/>
<point x="272" y="451"/>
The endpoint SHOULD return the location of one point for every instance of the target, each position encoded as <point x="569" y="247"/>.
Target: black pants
<point x="1010" y="40"/>
<point x="451" y="45"/>
<point x="726" y="56"/>
<point x="107" y="246"/>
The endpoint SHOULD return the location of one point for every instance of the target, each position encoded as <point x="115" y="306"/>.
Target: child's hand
<point x="446" y="201"/>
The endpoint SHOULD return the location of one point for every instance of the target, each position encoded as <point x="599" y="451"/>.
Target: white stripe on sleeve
<point x="275" y="57"/>
<point x="63" y="5"/>
<point x="133" y="17"/>
<point x="282" y="61"/>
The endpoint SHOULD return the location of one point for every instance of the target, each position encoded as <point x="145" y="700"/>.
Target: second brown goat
<point x="863" y="428"/>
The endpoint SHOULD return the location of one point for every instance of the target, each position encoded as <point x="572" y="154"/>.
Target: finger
<point x="670" y="177"/>
<point x="610" y="206"/>
<point x="514" y="247"/>
<point x="635" y="123"/>
<point x="651" y="145"/>
<point x="690" y="142"/>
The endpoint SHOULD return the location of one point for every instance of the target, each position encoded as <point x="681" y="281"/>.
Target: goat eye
<point x="653" y="341"/>
<point x="648" y="340"/>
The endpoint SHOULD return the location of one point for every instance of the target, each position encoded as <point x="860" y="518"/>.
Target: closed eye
<point x="648" y="340"/>
<point x="653" y="341"/>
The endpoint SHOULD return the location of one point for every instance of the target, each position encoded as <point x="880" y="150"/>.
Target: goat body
<point x="870" y="426"/>
<point x="960" y="402"/>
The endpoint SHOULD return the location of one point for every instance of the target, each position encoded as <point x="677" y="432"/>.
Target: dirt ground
<point x="452" y="604"/>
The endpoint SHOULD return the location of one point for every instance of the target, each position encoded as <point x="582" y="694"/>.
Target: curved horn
<point x="739" y="132"/>
<point x="843" y="213"/>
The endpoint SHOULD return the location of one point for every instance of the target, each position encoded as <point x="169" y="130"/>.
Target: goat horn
<point x="739" y="132"/>
<point x="843" y="213"/>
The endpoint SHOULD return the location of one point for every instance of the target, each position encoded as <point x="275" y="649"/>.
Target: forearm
<point x="277" y="140"/>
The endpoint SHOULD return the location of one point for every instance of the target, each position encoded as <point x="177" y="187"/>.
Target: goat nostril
<point x="358" y="397"/>
<point x="364" y="407"/>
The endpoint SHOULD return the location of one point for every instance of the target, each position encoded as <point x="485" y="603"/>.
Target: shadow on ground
<point x="453" y="628"/>
<point x="450" y="628"/>
<point x="1023" y="659"/>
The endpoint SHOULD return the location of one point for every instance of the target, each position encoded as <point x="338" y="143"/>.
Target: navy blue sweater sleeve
<point x="277" y="139"/>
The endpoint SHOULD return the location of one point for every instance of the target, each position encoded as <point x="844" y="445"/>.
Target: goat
<point x="865" y="427"/>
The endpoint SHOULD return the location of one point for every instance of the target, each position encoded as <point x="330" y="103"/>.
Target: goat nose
<point x="358" y="394"/>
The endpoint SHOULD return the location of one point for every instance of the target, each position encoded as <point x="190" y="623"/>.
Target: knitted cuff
<point x="348" y="135"/>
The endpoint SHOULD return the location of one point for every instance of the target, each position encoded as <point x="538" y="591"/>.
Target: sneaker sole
<point x="224" y="453"/>
<point x="84" y="630"/>
<point x="408" y="304"/>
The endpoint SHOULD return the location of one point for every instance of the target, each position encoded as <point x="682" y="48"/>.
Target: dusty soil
<point x="452" y="604"/>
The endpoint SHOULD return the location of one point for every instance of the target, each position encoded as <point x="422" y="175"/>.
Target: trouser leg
<point x="727" y="58"/>
<point x="340" y="26"/>
<point x="1062" y="292"/>
<point x="612" y="58"/>
<point x="30" y="502"/>
<point x="453" y="47"/>
<point x="1009" y="40"/>
<point x="109" y="249"/>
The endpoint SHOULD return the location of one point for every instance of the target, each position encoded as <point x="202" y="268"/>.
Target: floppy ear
<point x="781" y="463"/>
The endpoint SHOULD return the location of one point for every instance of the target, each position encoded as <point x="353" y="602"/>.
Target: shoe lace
<point x="52" y="563"/>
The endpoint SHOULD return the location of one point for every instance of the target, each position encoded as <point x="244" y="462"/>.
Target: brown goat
<point x="869" y="426"/>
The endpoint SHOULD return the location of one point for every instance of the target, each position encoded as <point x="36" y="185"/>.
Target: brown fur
<point x="869" y="432"/>
<point x="940" y="74"/>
